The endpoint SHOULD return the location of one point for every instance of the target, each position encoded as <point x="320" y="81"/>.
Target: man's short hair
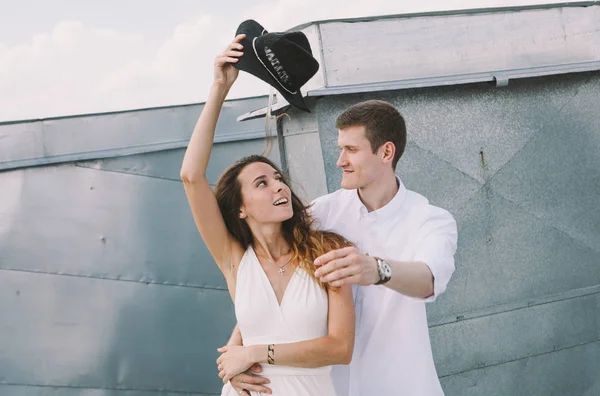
<point x="382" y="122"/>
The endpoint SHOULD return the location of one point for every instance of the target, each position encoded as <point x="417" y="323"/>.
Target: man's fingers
<point x="340" y="274"/>
<point x="332" y="266"/>
<point x="349" y="280"/>
<point x="243" y="379"/>
<point x="334" y="254"/>
<point x="251" y="383"/>
<point x="258" y="388"/>
<point x="256" y="368"/>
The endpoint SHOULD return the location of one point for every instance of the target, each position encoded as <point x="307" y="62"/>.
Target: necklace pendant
<point x="281" y="271"/>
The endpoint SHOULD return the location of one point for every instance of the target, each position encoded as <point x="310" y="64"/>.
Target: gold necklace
<point x="281" y="270"/>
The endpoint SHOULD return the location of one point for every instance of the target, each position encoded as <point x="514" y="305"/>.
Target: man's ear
<point x="387" y="152"/>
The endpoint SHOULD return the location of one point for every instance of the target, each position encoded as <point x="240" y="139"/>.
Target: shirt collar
<point x="386" y="211"/>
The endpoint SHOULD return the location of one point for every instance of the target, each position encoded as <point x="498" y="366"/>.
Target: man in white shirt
<point x="404" y="257"/>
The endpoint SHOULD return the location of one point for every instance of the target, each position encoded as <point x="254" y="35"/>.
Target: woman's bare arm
<point x="203" y="203"/>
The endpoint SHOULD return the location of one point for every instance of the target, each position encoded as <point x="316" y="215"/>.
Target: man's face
<point x="360" y="166"/>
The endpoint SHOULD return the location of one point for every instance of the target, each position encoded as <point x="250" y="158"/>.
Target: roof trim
<point x="122" y="151"/>
<point x="501" y="77"/>
<point x="125" y="111"/>
<point x="467" y="11"/>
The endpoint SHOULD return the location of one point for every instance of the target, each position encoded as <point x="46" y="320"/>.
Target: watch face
<point x="387" y="270"/>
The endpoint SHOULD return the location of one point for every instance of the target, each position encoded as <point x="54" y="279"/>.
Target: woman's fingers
<point x="235" y="46"/>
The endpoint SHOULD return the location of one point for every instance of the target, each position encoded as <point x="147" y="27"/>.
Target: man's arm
<point x="247" y="382"/>
<point x="413" y="279"/>
<point x="350" y="266"/>
<point x="426" y="277"/>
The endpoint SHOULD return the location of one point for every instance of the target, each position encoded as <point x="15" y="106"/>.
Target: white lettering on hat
<point x="269" y="71"/>
<point x="281" y="73"/>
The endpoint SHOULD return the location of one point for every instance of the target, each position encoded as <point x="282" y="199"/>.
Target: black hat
<point x="283" y="60"/>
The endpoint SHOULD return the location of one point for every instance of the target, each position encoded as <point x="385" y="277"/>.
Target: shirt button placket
<point x="354" y="380"/>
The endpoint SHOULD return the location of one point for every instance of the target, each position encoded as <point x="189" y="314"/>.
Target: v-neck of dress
<point x="262" y="270"/>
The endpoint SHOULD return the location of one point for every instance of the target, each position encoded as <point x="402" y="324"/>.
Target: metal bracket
<point x="500" y="80"/>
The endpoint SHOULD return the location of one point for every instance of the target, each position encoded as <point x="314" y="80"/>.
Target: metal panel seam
<point x="481" y="366"/>
<point x="528" y="303"/>
<point x="106" y="388"/>
<point x="147" y="282"/>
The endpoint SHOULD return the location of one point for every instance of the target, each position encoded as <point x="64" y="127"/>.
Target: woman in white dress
<point x="259" y="234"/>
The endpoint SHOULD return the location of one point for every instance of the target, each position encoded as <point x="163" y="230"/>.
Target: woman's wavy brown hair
<point x="306" y="243"/>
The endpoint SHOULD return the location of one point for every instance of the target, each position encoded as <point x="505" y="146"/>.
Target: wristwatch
<point x="385" y="271"/>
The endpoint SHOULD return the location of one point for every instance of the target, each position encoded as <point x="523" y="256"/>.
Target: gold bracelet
<point x="271" y="354"/>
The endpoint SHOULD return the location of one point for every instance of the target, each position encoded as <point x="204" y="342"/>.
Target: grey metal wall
<point x="106" y="287"/>
<point x="519" y="168"/>
<point x="301" y="148"/>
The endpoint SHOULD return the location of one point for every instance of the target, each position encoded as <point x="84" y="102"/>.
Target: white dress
<point x="301" y="316"/>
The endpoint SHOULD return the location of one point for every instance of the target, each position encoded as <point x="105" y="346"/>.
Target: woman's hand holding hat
<point x="225" y="73"/>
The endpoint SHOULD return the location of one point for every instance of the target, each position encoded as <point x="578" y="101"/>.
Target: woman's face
<point x="265" y="197"/>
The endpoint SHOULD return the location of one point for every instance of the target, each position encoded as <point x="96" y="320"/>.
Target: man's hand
<point x="347" y="266"/>
<point x="248" y="381"/>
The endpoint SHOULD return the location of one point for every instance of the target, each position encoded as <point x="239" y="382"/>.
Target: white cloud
<point x="76" y="69"/>
<point x="53" y="75"/>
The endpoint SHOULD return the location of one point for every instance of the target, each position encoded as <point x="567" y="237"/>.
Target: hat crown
<point x="282" y="59"/>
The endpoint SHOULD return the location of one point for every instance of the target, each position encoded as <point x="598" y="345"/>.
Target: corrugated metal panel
<point x="66" y="139"/>
<point x="571" y="371"/>
<point x="467" y="11"/>
<point x="300" y="137"/>
<point x="109" y="222"/>
<point x="518" y="167"/>
<point x="24" y="390"/>
<point x="458" y="45"/>
<point x="60" y="331"/>
<point x="105" y="283"/>
<point x="500" y="78"/>
<point x="562" y="325"/>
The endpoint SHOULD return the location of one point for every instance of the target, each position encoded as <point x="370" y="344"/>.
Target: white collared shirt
<point x="392" y="353"/>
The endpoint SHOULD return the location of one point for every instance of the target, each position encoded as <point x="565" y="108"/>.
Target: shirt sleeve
<point x="318" y="211"/>
<point x="436" y="247"/>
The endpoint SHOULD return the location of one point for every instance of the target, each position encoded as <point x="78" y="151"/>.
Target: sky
<point x="68" y="57"/>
